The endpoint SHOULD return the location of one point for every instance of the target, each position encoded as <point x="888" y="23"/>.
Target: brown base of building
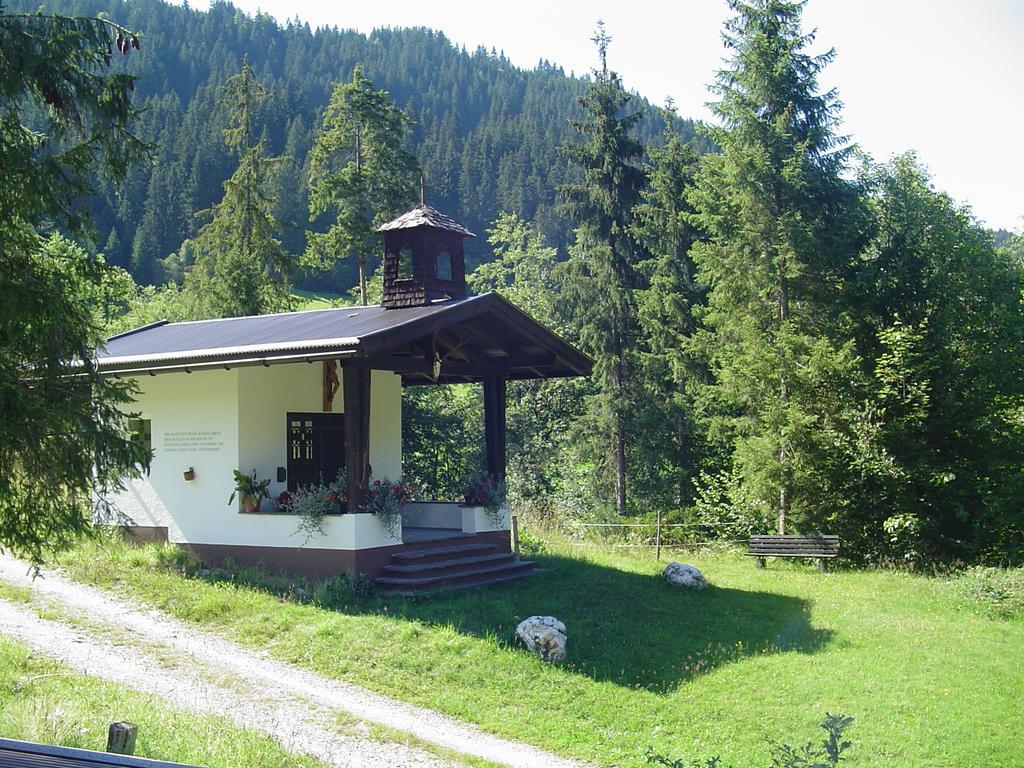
<point x="325" y="563"/>
<point x="144" y="534"/>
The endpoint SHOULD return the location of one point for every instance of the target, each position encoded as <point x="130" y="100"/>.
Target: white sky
<point x="941" y="77"/>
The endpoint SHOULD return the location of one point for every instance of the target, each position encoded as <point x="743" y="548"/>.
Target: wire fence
<point x="656" y="535"/>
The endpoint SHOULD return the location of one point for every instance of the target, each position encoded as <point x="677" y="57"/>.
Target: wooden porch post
<point x="356" y="393"/>
<point x="494" y="425"/>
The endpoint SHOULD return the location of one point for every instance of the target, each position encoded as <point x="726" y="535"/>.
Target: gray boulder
<point x="682" y="575"/>
<point x="544" y="635"/>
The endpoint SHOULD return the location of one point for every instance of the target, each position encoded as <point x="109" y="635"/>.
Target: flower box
<point x="475" y="519"/>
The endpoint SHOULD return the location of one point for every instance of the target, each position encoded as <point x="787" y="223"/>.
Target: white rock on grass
<point x="682" y="575"/>
<point x="544" y="635"/>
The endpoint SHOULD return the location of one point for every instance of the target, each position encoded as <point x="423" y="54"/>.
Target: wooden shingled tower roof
<point x="425" y="216"/>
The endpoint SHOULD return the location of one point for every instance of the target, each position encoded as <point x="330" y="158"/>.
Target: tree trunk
<point x="783" y="501"/>
<point x="620" y="433"/>
<point x="359" y="175"/>
<point x="683" y="485"/>
<point x="620" y="467"/>
<point x="783" y="395"/>
<point x="362" y="280"/>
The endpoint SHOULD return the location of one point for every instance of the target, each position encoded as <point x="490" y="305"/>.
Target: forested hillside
<point x="785" y="335"/>
<point x="486" y="133"/>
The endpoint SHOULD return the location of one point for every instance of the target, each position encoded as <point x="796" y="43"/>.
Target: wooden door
<point x="316" y="448"/>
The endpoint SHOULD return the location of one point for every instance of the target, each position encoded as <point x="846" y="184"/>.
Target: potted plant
<point x="388" y="500"/>
<point x="484" y="491"/>
<point x="313" y="502"/>
<point x="250" y="491"/>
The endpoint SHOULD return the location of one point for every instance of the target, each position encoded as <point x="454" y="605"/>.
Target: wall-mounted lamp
<point x="190" y="474"/>
<point x="282" y="474"/>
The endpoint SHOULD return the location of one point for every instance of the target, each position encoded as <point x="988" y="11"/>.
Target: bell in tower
<point x="423" y="259"/>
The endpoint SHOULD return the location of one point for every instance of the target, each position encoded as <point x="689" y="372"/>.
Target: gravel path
<point x="215" y="675"/>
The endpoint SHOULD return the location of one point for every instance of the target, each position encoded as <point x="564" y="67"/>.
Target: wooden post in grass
<point x="515" y="536"/>
<point x="121" y="738"/>
<point x="657" y="536"/>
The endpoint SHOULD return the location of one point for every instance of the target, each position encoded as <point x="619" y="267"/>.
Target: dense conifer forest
<point x="485" y="132"/>
<point x="787" y="335"/>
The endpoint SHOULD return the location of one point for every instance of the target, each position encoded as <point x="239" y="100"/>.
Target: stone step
<point x="477" y="581"/>
<point x="426" y="554"/>
<point x="454" y="576"/>
<point x="422" y="569"/>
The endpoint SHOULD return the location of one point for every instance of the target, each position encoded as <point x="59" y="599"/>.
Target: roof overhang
<point x="473" y="339"/>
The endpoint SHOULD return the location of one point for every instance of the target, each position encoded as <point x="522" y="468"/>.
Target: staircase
<point x="450" y="565"/>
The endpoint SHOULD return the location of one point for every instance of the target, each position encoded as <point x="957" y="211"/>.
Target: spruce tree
<point x="601" y="273"/>
<point x="241" y="267"/>
<point x="360" y="171"/>
<point x="67" y="121"/>
<point x="669" y="441"/>
<point x="783" y="232"/>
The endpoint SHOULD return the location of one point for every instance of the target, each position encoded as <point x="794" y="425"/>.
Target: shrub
<point x="340" y="590"/>
<point x="904" y="537"/>
<point x="995" y="591"/>
<point x="827" y="754"/>
<point x="164" y="556"/>
<point x="725" y="508"/>
<point x="531" y="545"/>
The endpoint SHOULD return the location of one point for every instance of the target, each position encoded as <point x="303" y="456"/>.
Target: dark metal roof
<point x="25" y="754"/>
<point x="345" y="332"/>
<point x="425" y="216"/>
<point x="288" y="332"/>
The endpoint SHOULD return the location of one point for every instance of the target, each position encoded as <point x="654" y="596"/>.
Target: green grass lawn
<point x="314" y="299"/>
<point x="44" y="702"/>
<point x="759" y="656"/>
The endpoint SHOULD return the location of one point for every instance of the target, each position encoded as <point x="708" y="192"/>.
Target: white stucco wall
<point x="265" y="396"/>
<point x="217" y="421"/>
<point x="194" y="420"/>
<point x="435" y="514"/>
<point x="386" y="425"/>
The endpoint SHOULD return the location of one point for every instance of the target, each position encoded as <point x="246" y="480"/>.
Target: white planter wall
<point x="348" y="531"/>
<point x="216" y="421"/>
<point x="476" y="520"/>
<point x="434" y="514"/>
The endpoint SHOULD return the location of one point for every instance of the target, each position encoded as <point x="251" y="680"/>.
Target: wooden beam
<point x="498" y="365"/>
<point x="356" y="393"/>
<point x="330" y="384"/>
<point x="512" y="346"/>
<point x="543" y="336"/>
<point x="388" y="339"/>
<point x="494" y="425"/>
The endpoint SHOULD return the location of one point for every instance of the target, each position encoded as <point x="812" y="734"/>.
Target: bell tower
<point x="423" y="259"/>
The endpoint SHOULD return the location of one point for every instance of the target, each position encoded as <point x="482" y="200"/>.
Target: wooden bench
<point x="820" y="547"/>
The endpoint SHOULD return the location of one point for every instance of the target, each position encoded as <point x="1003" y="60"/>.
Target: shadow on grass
<point x="625" y="628"/>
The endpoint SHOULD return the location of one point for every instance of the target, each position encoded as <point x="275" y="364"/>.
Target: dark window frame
<point x="314" y="447"/>
<point x="406" y="258"/>
<point x="437" y="266"/>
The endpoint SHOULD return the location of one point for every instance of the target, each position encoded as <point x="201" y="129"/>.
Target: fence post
<point x="121" y="738"/>
<point x="657" y="536"/>
<point x="515" y="536"/>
